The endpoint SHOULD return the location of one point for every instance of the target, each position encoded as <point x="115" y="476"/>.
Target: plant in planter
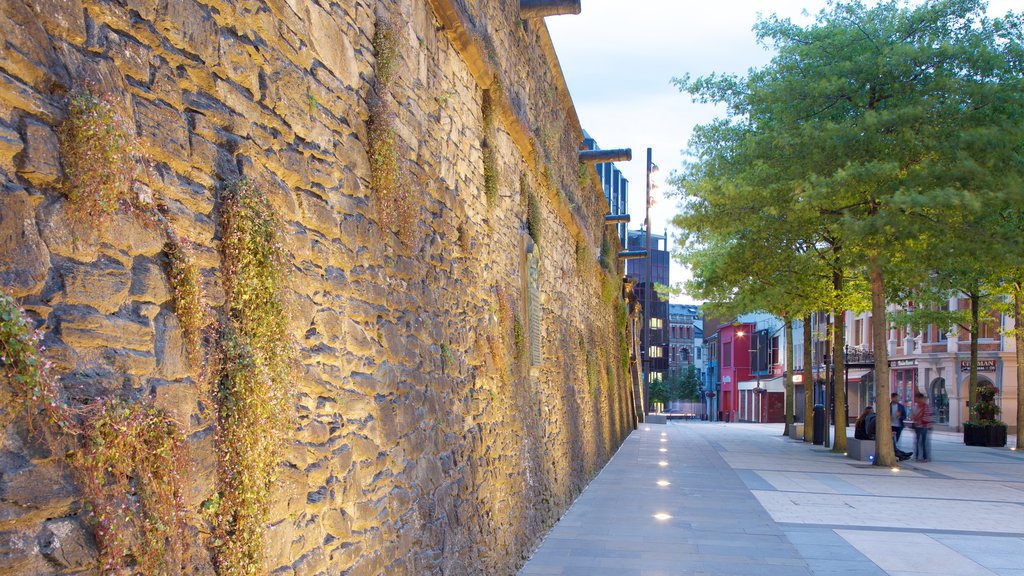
<point x="984" y="429"/>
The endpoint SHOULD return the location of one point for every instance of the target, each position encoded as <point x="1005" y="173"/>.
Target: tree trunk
<point x="975" y="330"/>
<point x="788" y="370"/>
<point x="808" y="384"/>
<point x="885" y="455"/>
<point x="1018" y="334"/>
<point x="839" y="376"/>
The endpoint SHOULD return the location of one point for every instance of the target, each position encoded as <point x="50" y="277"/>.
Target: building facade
<point x="936" y="362"/>
<point x="648" y="273"/>
<point x="683" y="324"/>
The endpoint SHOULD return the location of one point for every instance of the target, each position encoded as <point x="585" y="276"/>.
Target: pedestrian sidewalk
<point x="737" y="499"/>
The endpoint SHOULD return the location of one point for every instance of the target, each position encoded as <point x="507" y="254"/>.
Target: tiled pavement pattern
<point x="741" y="499"/>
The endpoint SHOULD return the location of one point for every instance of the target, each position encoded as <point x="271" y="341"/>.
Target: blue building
<point x="615" y="185"/>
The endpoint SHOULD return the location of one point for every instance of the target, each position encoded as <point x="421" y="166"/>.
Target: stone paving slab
<point x="739" y="499"/>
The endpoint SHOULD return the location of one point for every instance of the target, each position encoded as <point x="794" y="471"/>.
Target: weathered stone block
<point x="171" y="354"/>
<point x="43" y="487"/>
<point x="149" y="282"/>
<point x="131" y="56"/>
<point x="19" y="554"/>
<point x="29" y="55"/>
<point x="240" y="62"/>
<point x="189" y="26"/>
<point x="39" y="163"/>
<point x="80" y="328"/>
<point x="10" y="145"/>
<point x="102" y="284"/>
<point x="129" y="361"/>
<point x="332" y="45"/>
<point x="163" y="131"/>
<point x="24" y="259"/>
<point x="179" y="399"/>
<point x="67" y="543"/>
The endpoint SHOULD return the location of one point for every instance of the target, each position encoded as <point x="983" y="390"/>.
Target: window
<point x="696" y="353"/>
<point x="727" y="354"/>
<point x="656" y="324"/>
<point x="656" y="352"/>
<point x="989" y="326"/>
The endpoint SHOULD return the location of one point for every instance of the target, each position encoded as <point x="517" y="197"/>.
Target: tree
<point x="873" y="124"/>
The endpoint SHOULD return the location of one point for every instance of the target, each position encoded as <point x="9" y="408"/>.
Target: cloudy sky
<point x="620" y="57"/>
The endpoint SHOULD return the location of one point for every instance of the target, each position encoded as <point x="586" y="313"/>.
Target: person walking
<point x="897" y="413"/>
<point x="922" y="417"/>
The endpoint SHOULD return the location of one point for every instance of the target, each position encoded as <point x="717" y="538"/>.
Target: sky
<point x="619" y="58"/>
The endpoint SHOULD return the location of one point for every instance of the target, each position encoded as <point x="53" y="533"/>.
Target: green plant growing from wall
<point x="533" y="216"/>
<point x="606" y="251"/>
<point x="447" y="358"/>
<point x="593" y="376"/>
<point x="622" y="327"/>
<point x="131" y="468"/>
<point x="396" y="208"/>
<point x="100" y="155"/>
<point x="189" y="297"/>
<point x="583" y="172"/>
<point x="130" y="462"/>
<point x="583" y="255"/>
<point x="611" y="288"/>
<point x="253" y="404"/>
<point x="22" y="367"/>
<point x="518" y="338"/>
<point x="490" y="158"/>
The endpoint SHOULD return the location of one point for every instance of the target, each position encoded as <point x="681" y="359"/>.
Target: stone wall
<point x="427" y="439"/>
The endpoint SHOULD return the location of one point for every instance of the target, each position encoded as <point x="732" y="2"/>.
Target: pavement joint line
<point x="939" y="531"/>
<point x="887" y="496"/>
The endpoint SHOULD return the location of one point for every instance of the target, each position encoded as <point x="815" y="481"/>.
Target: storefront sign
<point x="987" y="365"/>
<point x="903" y="362"/>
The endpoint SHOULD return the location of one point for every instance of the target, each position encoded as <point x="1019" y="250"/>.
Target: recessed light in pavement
<point x="664" y="439"/>
<point x="663" y="483"/>
<point x="662" y="463"/>
<point x="662" y="516"/>
<point x="662" y="449"/>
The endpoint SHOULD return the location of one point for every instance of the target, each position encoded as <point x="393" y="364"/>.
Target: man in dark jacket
<point x="897" y="413"/>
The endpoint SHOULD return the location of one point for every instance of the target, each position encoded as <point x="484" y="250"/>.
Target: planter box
<point x="988" y="435"/>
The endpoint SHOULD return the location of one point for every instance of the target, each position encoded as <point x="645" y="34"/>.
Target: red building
<point x="734" y="362"/>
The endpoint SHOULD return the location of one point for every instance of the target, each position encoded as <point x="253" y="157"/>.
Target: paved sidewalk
<point x="741" y="499"/>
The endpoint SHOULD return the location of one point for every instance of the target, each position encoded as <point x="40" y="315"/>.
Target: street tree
<point x="878" y="123"/>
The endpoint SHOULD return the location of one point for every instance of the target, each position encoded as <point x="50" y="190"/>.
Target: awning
<point x="777" y="384"/>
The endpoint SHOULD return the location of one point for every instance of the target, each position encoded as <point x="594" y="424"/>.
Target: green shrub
<point x="100" y="155"/>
